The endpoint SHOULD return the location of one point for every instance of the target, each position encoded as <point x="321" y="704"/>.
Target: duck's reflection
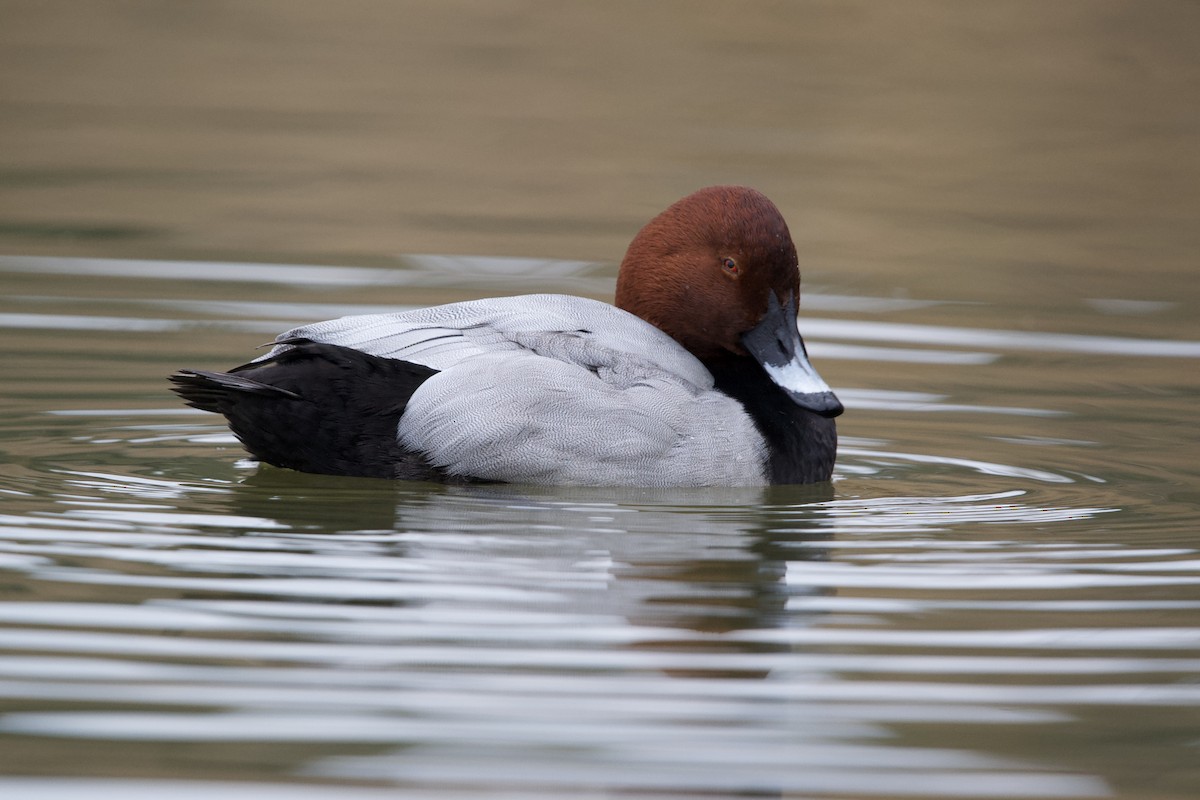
<point x="708" y="561"/>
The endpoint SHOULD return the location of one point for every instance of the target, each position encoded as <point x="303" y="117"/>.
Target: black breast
<point x="802" y="445"/>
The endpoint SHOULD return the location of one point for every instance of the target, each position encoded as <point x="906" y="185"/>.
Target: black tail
<point x="316" y="408"/>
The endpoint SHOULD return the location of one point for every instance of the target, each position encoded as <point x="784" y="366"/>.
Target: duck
<point x="696" y="376"/>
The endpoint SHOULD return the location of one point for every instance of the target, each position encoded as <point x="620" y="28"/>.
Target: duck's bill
<point x="776" y="344"/>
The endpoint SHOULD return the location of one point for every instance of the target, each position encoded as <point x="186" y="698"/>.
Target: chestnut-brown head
<point x="718" y="272"/>
<point x="703" y="270"/>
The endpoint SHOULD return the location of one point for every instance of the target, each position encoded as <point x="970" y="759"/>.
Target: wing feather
<point x="570" y="329"/>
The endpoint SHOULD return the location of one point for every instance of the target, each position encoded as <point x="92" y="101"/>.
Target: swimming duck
<point x="697" y="376"/>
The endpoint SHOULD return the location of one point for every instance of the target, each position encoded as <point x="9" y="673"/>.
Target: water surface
<point x="996" y="597"/>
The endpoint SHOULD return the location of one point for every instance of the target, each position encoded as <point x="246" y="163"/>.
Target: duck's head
<point x="718" y="272"/>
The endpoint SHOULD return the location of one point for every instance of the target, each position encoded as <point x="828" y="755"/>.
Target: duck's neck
<point x="802" y="445"/>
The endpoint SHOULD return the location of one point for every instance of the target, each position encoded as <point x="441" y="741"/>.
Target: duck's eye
<point x="730" y="266"/>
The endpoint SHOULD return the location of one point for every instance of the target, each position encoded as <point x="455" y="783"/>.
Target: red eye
<point x="730" y="266"/>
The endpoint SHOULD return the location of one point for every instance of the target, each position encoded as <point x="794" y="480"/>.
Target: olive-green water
<point x="996" y="208"/>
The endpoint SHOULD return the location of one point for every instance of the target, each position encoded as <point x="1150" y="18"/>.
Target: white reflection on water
<point x="127" y="789"/>
<point x="932" y="513"/>
<point x="82" y="322"/>
<point x="998" y="339"/>
<point x="829" y="350"/>
<point x="892" y="400"/>
<point x="417" y="270"/>
<point x="864" y="457"/>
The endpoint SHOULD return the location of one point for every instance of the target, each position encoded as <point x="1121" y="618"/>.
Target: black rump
<point x="317" y="408"/>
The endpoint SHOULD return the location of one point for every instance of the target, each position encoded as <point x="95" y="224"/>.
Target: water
<point x="998" y="596"/>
